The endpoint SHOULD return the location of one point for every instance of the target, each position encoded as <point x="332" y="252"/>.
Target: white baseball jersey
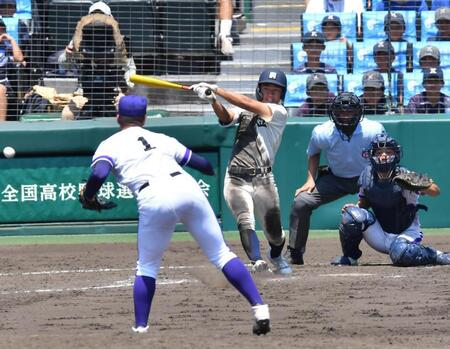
<point x="138" y="156"/>
<point x="269" y="133"/>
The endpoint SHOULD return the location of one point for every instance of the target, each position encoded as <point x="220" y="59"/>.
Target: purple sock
<point x="238" y="275"/>
<point x="143" y="292"/>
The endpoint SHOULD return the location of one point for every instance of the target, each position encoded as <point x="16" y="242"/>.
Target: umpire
<point x="342" y="139"/>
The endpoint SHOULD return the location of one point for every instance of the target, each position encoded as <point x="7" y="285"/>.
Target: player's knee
<point x="405" y="254"/>
<point x="301" y="206"/>
<point x="355" y="220"/>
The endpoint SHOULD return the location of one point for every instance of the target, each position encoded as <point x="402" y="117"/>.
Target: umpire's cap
<point x="274" y="77"/>
<point x="133" y="106"/>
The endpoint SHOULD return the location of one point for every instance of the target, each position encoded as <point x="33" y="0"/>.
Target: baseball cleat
<point x="443" y="258"/>
<point x="344" y="260"/>
<point x="262" y="319"/>
<point x="259" y="266"/>
<point x="281" y="265"/>
<point x="140" y="329"/>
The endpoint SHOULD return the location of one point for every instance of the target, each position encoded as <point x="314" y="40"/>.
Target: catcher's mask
<point x="274" y="77"/>
<point x="384" y="167"/>
<point x="346" y="112"/>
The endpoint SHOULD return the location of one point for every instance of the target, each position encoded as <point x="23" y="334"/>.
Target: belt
<point x="146" y="184"/>
<point x="233" y="170"/>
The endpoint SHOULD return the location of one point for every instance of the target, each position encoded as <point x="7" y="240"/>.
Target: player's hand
<point x="308" y="187"/>
<point x="212" y="87"/>
<point x="204" y="93"/>
<point x="347" y="206"/>
<point x="5" y="37"/>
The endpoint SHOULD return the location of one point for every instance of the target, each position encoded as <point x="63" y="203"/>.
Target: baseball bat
<point x="155" y="82"/>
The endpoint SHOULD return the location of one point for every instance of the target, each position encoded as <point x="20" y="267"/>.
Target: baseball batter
<point x="249" y="182"/>
<point x="150" y="165"/>
<point x="393" y="228"/>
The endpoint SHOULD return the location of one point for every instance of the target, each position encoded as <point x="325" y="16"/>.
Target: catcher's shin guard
<point x="404" y="253"/>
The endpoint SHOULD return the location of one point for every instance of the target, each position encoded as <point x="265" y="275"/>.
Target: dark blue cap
<point x="313" y="36"/>
<point x="133" y="106"/>
<point x="433" y="73"/>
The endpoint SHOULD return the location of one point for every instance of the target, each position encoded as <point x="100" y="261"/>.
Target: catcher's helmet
<point x="346" y="102"/>
<point x="274" y="77"/>
<point x="383" y="141"/>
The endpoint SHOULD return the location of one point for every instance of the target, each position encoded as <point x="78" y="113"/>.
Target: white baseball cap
<point x="100" y="6"/>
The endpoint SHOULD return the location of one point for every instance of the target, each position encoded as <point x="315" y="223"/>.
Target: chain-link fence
<point x="74" y="58"/>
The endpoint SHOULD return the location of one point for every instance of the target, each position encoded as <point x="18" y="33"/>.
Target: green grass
<point x="131" y="238"/>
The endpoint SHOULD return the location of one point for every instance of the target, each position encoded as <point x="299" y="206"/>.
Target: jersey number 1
<point x="145" y="143"/>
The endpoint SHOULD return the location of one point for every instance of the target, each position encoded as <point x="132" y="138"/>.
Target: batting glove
<point x="205" y="84"/>
<point x="204" y="93"/>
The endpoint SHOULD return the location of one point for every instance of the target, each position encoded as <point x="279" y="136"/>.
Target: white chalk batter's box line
<point x="161" y="282"/>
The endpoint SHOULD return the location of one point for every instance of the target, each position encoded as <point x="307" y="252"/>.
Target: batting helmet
<point x="343" y="103"/>
<point x="383" y="141"/>
<point x="274" y="77"/>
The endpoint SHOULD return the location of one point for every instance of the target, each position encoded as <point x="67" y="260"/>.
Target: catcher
<point x="393" y="228"/>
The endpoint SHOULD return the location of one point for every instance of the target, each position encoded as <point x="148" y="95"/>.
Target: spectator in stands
<point x="332" y="28"/>
<point x="435" y="4"/>
<point x="321" y="6"/>
<point x="373" y="98"/>
<point x="442" y="21"/>
<point x="394" y="26"/>
<point x="429" y="57"/>
<point x="313" y="45"/>
<point x="100" y="69"/>
<point x="226" y="22"/>
<point x="7" y="8"/>
<point x="9" y="52"/>
<point x="384" y="56"/>
<point x="319" y="96"/>
<point x="432" y="100"/>
<point x="401" y="5"/>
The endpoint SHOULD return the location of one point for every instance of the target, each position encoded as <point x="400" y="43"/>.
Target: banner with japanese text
<point x="45" y="189"/>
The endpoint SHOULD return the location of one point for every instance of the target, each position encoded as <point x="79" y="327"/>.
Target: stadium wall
<point x="40" y="185"/>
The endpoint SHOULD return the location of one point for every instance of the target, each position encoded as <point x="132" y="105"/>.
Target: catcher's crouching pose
<point x="393" y="228"/>
<point x="150" y="165"/>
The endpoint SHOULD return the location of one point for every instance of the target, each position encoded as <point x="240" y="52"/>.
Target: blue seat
<point x="313" y="21"/>
<point x="335" y="54"/>
<point x="373" y="25"/>
<point x="363" y="56"/>
<point x="428" y="27"/>
<point x="24" y="9"/>
<point x="413" y="85"/>
<point x="444" y="49"/>
<point x="296" y="88"/>
<point x="353" y="83"/>
<point x="12" y="27"/>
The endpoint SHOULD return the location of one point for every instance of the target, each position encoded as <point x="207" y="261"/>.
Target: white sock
<point x="225" y="27"/>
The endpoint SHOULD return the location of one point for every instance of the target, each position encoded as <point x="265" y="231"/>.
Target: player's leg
<point x="226" y="22"/>
<point x="200" y="220"/>
<point x="406" y="250"/>
<point x="328" y="188"/>
<point x="267" y="209"/>
<point x="155" y="229"/>
<point x="354" y="222"/>
<point x="239" y="196"/>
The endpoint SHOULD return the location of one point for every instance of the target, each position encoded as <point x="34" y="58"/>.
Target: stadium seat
<point x="63" y="16"/>
<point x="12" y="27"/>
<point x="413" y="85"/>
<point x="335" y="54"/>
<point x="373" y="25"/>
<point x="428" y="28"/>
<point x="296" y="88"/>
<point x="137" y="21"/>
<point x="24" y="9"/>
<point x="444" y="49"/>
<point x="363" y="56"/>
<point x="313" y="21"/>
<point x="353" y="83"/>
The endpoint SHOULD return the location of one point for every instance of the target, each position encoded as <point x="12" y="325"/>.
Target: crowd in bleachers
<point x="393" y="54"/>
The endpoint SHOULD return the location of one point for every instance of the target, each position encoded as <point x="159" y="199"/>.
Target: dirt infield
<point x="80" y="296"/>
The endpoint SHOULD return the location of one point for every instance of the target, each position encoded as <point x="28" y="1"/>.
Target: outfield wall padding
<point x="41" y="183"/>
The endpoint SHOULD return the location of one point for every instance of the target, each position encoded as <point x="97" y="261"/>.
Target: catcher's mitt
<point x="96" y="203"/>
<point x="413" y="181"/>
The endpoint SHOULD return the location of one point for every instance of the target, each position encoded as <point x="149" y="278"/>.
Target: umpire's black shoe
<point x="344" y="260"/>
<point x="295" y="256"/>
<point x="262" y="319"/>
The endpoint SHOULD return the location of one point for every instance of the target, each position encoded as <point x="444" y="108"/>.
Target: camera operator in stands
<point x="98" y="50"/>
<point x="9" y="52"/>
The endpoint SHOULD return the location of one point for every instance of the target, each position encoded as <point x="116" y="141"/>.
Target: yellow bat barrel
<point x="155" y="82"/>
